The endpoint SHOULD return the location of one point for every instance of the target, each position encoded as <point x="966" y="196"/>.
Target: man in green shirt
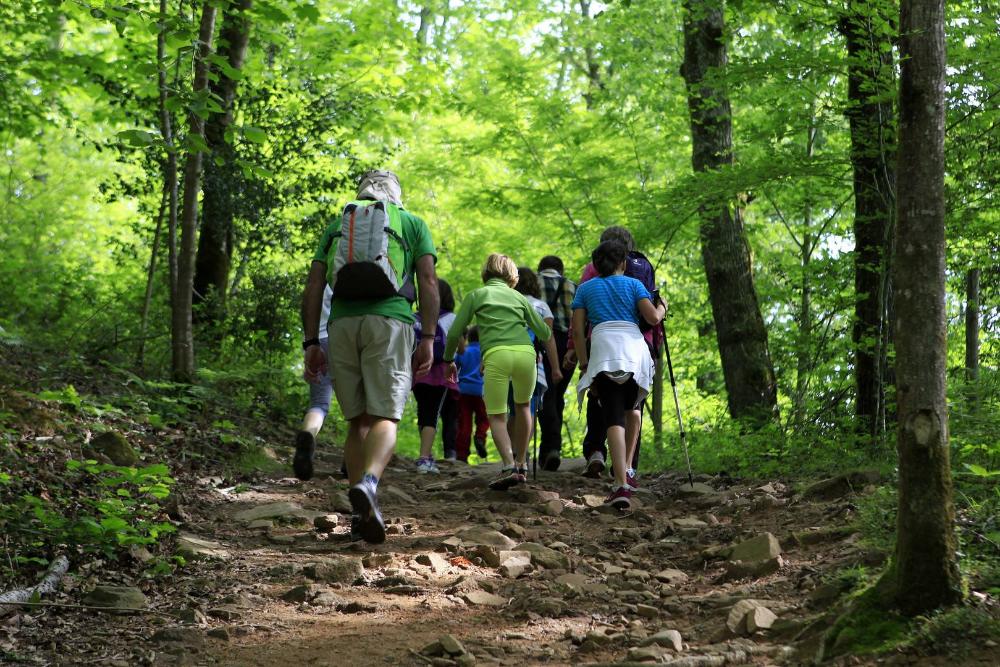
<point x="372" y="358"/>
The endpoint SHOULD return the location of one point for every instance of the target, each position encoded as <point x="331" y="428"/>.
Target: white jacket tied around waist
<point x="618" y="349"/>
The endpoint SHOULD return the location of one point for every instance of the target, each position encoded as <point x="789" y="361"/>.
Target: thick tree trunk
<point x="215" y="245"/>
<point x="925" y="571"/>
<point x="872" y="120"/>
<point x="182" y="335"/>
<point x="746" y="362"/>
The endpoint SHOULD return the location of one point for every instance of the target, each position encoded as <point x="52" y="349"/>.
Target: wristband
<point x="306" y="344"/>
<point x="425" y="336"/>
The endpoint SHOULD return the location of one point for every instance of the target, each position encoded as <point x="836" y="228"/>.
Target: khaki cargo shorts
<point x="370" y="365"/>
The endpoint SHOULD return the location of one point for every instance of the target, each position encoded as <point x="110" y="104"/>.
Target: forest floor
<point x="726" y="572"/>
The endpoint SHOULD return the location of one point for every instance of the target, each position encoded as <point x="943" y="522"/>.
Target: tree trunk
<point x="871" y="115"/>
<point x="182" y="335"/>
<point x="804" y="351"/>
<point x="140" y="354"/>
<point x="746" y="362"/>
<point x="215" y="245"/>
<point x="423" y="30"/>
<point x="972" y="337"/>
<point x="925" y="571"/>
<point x="170" y="184"/>
<point x="972" y="325"/>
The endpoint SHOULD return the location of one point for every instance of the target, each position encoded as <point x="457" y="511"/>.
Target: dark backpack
<point x="440" y="337"/>
<point x="640" y="268"/>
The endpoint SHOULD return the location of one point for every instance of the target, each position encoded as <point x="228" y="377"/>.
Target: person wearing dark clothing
<point x="558" y="292"/>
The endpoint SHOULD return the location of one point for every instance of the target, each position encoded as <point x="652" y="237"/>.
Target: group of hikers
<point x="532" y="330"/>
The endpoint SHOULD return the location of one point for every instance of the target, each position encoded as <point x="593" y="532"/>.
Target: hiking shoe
<point x="595" y="466"/>
<point x="508" y="478"/>
<point x="364" y="502"/>
<point x="451" y="455"/>
<point x="481" y="448"/>
<point x="305" y="452"/>
<point x="427" y="465"/>
<point x="620" y="498"/>
<point x="355" y="535"/>
<point x="631" y="479"/>
<point x="551" y="461"/>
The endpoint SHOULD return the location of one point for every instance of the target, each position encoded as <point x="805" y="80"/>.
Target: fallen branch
<point x="67" y="605"/>
<point x="57" y="570"/>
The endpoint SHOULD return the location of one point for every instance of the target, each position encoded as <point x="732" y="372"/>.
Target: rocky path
<point x="721" y="573"/>
<point x="717" y="574"/>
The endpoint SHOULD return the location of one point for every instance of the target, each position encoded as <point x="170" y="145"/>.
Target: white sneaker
<point x="425" y="466"/>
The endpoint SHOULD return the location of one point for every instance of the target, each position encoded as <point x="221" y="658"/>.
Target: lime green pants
<point x="502" y="366"/>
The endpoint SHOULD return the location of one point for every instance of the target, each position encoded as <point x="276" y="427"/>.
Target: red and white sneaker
<point x="620" y="498"/>
<point x="632" y="479"/>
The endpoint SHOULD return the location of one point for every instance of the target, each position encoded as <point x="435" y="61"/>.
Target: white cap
<point x="381" y="185"/>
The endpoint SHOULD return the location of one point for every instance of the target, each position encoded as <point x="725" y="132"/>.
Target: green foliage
<point x="101" y="509"/>
<point x="954" y="632"/>
<point x="876" y="518"/>
<point x="867" y="627"/>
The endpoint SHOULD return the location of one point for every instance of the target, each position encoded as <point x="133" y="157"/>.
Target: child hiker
<point x="471" y="408"/>
<point x="503" y="316"/>
<point x="618" y="366"/>
<point x="431" y="390"/>
<point x="527" y="284"/>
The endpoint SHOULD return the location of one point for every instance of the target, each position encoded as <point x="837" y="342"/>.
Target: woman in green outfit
<point x="503" y="316"/>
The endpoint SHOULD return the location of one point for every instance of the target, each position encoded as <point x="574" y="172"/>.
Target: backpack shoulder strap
<point x="553" y="299"/>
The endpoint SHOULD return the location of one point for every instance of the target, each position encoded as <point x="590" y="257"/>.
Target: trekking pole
<point x="534" y="455"/>
<point x="534" y="437"/>
<point x="677" y="405"/>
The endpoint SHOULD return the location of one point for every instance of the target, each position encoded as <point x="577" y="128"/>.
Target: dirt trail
<point x="724" y="573"/>
<point x="596" y="587"/>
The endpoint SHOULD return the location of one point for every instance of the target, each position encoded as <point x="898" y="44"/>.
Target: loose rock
<point x="326" y="522"/>
<point x="543" y="556"/>
<point x="283" y="510"/>
<point x="667" y="638"/>
<point x="484" y="598"/>
<point x="477" y="535"/>
<point x="113" y="445"/>
<point x="120" y="598"/>
<point x="762" y="547"/>
<point x="342" y="570"/>
<point x="197" y="548"/>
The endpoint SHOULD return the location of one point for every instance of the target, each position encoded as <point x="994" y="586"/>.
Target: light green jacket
<point x="502" y="315"/>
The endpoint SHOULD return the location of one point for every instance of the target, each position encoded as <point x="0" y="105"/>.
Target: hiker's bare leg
<point x="522" y="432"/>
<point x="313" y="422"/>
<point x="616" y="443"/>
<point x="380" y="443"/>
<point x="633" y="421"/>
<point x="498" y="427"/>
<point x="427" y="434"/>
<point x="354" y="448"/>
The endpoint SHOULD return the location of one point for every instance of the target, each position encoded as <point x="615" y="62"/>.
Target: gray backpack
<point x="370" y="259"/>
